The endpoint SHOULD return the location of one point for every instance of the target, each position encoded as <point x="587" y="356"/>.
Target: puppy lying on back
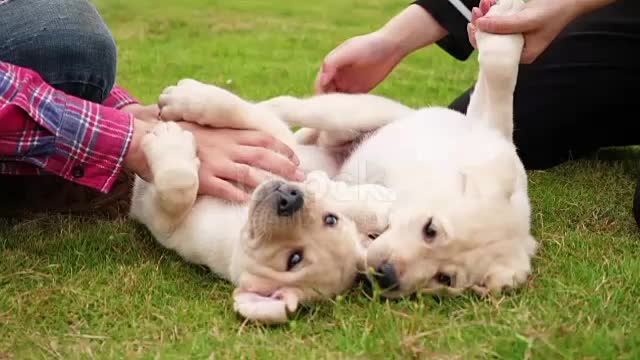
<point x="292" y="242"/>
<point x="453" y="207"/>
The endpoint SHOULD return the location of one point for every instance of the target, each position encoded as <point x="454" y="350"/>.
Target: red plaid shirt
<point x="43" y="130"/>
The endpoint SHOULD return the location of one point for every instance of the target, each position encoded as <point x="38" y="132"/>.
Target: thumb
<point x="508" y="24"/>
<point x="325" y="77"/>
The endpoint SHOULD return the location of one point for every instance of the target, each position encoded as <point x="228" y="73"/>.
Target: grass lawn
<point x="78" y="288"/>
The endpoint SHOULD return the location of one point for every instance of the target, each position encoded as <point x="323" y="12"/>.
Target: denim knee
<point x="85" y="66"/>
<point x="65" y="41"/>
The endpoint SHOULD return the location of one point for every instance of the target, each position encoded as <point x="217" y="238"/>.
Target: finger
<point x="317" y="86"/>
<point x="485" y="5"/>
<point x="259" y="139"/>
<point x="346" y="85"/>
<point x="471" y="31"/>
<point x="268" y="160"/>
<point x="512" y="24"/>
<point x="476" y="14"/>
<point x="219" y="188"/>
<point x="330" y="88"/>
<point x="326" y="75"/>
<point x="170" y="113"/>
<point x="241" y="173"/>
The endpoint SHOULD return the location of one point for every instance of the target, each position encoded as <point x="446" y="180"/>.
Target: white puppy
<point x="460" y="217"/>
<point x="292" y="243"/>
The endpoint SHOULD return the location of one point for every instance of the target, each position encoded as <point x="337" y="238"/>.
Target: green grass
<point x="79" y="288"/>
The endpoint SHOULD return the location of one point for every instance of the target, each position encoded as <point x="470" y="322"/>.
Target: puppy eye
<point x="373" y="236"/>
<point x="429" y="230"/>
<point x="330" y="220"/>
<point x="295" y="258"/>
<point x="444" y="279"/>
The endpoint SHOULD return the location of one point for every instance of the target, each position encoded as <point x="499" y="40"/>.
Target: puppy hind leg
<point x="337" y="111"/>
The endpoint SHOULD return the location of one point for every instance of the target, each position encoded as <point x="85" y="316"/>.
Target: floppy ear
<point x="493" y="179"/>
<point x="272" y="309"/>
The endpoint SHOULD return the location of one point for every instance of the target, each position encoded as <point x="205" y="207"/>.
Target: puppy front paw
<point x="500" y="279"/>
<point x="172" y="156"/>
<point x="274" y="309"/>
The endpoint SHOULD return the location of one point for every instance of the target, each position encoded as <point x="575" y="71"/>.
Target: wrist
<point x="143" y="112"/>
<point x="412" y="29"/>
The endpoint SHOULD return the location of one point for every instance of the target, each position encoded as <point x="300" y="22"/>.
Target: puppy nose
<point x="289" y="199"/>
<point x="386" y="276"/>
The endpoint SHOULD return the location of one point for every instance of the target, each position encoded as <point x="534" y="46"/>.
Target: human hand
<point x="226" y="156"/>
<point x="149" y="112"/>
<point x="358" y="64"/>
<point x="231" y="155"/>
<point x="540" y="21"/>
<point x="362" y="62"/>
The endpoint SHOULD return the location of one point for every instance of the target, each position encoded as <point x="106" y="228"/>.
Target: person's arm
<point x="46" y="130"/>
<point x="452" y="15"/>
<point x="119" y="98"/>
<point x="413" y="29"/>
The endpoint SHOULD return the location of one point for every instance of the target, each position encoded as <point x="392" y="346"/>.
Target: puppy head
<point x="298" y="245"/>
<point x="474" y="238"/>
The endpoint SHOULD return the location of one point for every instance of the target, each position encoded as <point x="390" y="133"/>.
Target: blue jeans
<point x="65" y="41"/>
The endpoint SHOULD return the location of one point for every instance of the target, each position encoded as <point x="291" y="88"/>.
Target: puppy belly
<point x="210" y="233"/>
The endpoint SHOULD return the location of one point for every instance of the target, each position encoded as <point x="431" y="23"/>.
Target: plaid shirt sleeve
<point x="119" y="98"/>
<point x="46" y="130"/>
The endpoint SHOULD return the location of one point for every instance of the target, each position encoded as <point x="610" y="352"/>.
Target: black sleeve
<point x="457" y="42"/>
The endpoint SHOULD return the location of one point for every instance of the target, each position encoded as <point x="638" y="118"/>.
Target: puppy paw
<point x="500" y="279"/>
<point x="499" y="54"/>
<point x="172" y="156"/>
<point x="505" y="7"/>
<point x="194" y="101"/>
<point x="377" y="208"/>
<point x="370" y="210"/>
<point x="274" y="309"/>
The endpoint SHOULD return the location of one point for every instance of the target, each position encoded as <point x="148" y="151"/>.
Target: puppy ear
<point x="493" y="179"/>
<point x="274" y="309"/>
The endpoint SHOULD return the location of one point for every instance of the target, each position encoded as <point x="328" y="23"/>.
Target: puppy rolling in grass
<point x="447" y="194"/>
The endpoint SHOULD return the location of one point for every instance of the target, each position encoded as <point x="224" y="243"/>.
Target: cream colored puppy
<point x="293" y="242"/>
<point x="461" y="219"/>
<point x="460" y="216"/>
